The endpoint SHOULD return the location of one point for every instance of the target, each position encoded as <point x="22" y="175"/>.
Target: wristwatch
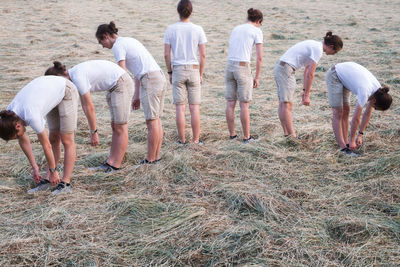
<point x="52" y="170"/>
<point x="93" y="131"/>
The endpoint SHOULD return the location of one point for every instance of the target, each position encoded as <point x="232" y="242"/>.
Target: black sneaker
<point x="349" y="152"/>
<point x="62" y="188"/>
<point x="232" y="137"/>
<point x="145" y="161"/>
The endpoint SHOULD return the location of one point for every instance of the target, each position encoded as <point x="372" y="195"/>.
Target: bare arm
<point x="308" y="79"/>
<point x="88" y="109"/>
<point x="26" y="147"/>
<point x="364" y="122"/>
<point x="202" y="55"/>
<point x="48" y="153"/>
<point x="122" y="64"/>
<point x="167" y="58"/>
<point x="259" y="53"/>
<point x="355" y="122"/>
<point x="136" y="96"/>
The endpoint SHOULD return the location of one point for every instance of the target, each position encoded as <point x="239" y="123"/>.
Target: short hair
<point x="184" y="8"/>
<point x="8" y="120"/>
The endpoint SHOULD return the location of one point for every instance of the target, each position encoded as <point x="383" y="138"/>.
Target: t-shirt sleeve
<point x="203" y="38"/>
<point x="119" y="52"/>
<point x="167" y="38"/>
<point x="315" y="53"/>
<point x="259" y="37"/>
<point x="362" y="98"/>
<point x="82" y="84"/>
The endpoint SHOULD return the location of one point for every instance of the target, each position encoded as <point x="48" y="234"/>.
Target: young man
<point x="57" y="98"/>
<point x="184" y="39"/>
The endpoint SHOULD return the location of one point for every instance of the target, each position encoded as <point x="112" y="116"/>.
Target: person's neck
<point x="255" y="24"/>
<point x="186" y="20"/>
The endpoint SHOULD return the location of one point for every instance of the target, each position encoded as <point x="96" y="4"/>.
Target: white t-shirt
<point x="242" y="40"/>
<point x="303" y="54"/>
<point x="358" y="80"/>
<point x="137" y="59"/>
<point x="184" y="38"/>
<point x="95" y="75"/>
<point x="38" y="98"/>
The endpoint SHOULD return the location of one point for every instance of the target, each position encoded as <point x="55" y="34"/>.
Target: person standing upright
<point x="238" y="79"/>
<point x="185" y="40"/>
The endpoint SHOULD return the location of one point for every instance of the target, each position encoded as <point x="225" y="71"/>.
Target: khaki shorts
<point x="338" y="95"/>
<point x="239" y="82"/>
<point x="186" y="84"/>
<point x="64" y="116"/>
<point x="153" y="86"/>
<point x="119" y="99"/>
<point x="285" y="81"/>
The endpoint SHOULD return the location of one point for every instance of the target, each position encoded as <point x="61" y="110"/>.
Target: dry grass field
<point x="275" y="202"/>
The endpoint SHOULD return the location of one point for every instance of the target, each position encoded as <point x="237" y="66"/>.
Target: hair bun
<point x="385" y="89"/>
<point x="328" y="34"/>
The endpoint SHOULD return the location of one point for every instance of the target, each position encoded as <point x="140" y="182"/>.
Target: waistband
<point x="151" y="73"/>
<point x="186" y="67"/>
<point x="238" y="63"/>
<point x="283" y="63"/>
<point x="123" y="77"/>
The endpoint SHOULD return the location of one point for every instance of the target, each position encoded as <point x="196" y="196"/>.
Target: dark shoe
<point x="249" y="140"/>
<point x="62" y="188"/>
<point x="145" y="161"/>
<point x="349" y="152"/>
<point x="233" y="137"/>
<point x="181" y="143"/>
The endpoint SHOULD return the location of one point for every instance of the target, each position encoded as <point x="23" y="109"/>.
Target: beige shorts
<point x="119" y="99"/>
<point x="239" y="82"/>
<point x="64" y="116"/>
<point x="285" y="81"/>
<point x="186" y="84"/>
<point x="153" y="86"/>
<point x="338" y="95"/>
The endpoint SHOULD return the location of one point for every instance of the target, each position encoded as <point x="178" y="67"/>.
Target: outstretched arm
<point x="48" y="153"/>
<point x="26" y="147"/>
<point x="136" y="96"/>
<point x="355" y="122"/>
<point x="259" y="53"/>
<point x="308" y="79"/>
<point x="88" y="109"/>
<point x="364" y="122"/>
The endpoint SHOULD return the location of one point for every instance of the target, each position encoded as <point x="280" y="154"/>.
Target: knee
<point x="67" y="140"/>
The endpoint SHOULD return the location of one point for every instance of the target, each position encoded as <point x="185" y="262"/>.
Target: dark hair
<point x="58" y="69"/>
<point x="104" y="29"/>
<point x="334" y="40"/>
<point x="254" y="15"/>
<point x="184" y="8"/>
<point x="382" y="99"/>
<point x="8" y="119"/>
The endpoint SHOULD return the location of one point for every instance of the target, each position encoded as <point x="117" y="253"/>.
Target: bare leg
<point x="160" y="138"/>
<point x="69" y="155"/>
<point x="119" y="144"/>
<point x="337" y="122"/>
<point x="245" y="119"/>
<point x="152" y="139"/>
<point x="285" y="116"/>
<point x="345" y="123"/>
<point x="180" y="122"/>
<point x="230" y="116"/>
<point x="55" y="141"/>
<point x="195" y="121"/>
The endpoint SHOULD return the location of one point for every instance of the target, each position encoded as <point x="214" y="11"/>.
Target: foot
<point x="105" y="167"/>
<point x="349" y="152"/>
<point x="249" y="140"/>
<point x="232" y="137"/>
<point x="42" y="186"/>
<point x="145" y="161"/>
<point x="179" y="142"/>
<point x="199" y="143"/>
<point x="62" y="188"/>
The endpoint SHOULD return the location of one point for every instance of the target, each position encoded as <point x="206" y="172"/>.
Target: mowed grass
<point x="276" y="202"/>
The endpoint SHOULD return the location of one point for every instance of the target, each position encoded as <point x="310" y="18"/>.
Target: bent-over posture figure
<point x="342" y="79"/>
<point x="56" y="98"/>
<point x="304" y="54"/>
<point x="102" y="75"/>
